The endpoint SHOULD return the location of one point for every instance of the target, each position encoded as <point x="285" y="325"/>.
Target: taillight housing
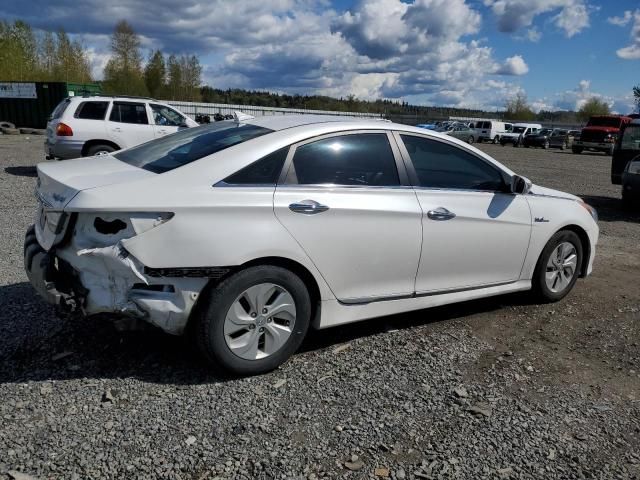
<point x="64" y="130"/>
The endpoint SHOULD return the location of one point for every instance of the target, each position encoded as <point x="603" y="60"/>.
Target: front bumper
<point x="63" y="148"/>
<point x="598" y="146"/>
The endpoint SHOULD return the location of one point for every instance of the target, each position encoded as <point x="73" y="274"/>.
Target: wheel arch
<point x="296" y="267"/>
<point x="90" y="143"/>
<point x="586" y="246"/>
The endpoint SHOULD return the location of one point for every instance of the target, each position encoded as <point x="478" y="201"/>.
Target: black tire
<point x="496" y="139"/>
<point x="546" y="145"/>
<point x="470" y="140"/>
<point x="210" y="317"/>
<point x="539" y="286"/>
<point x="563" y="146"/>
<point x="610" y="151"/>
<point x="576" y="150"/>
<point x="99" y="149"/>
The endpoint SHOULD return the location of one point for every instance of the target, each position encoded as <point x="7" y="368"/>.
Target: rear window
<point x="60" y="108"/>
<point x="173" y="151"/>
<point x="92" y="110"/>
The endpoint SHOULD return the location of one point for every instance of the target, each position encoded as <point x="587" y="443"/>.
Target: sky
<point x="461" y="53"/>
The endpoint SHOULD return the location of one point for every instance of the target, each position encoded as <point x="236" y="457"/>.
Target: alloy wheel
<point x="260" y="321"/>
<point x="561" y="267"/>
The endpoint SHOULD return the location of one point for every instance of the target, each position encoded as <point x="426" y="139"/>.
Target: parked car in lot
<point x="627" y="148"/>
<point x="518" y="133"/>
<point x="463" y="132"/>
<point x="490" y="130"/>
<point x="249" y="232"/>
<point x="548" y="138"/>
<point x="86" y="126"/>
<point x="631" y="182"/>
<point x="600" y="134"/>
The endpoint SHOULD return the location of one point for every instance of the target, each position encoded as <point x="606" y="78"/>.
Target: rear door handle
<point x="440" y="213"/>
<point x="308" y="207"/>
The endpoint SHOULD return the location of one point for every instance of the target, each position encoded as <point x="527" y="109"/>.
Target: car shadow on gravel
<point x="36" y="345"/>
<point x="612" y="209"/>
<point x="22" y="171"/>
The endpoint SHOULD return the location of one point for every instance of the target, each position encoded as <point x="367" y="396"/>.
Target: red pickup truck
<point x="600" y="134"/>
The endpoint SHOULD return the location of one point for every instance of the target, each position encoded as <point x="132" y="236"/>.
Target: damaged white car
<point x="250" y="231"/>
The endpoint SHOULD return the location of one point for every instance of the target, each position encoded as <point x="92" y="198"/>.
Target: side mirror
<point x="521" y="185"/>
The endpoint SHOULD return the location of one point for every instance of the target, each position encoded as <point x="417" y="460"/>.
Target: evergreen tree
<point x="155" y="73"/>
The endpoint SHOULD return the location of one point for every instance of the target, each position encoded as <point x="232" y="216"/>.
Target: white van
<point x="490" y="130"/>
<point x="520" y="130"/>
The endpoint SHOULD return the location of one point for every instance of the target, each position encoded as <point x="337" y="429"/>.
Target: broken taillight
<point x="64" y="130"/>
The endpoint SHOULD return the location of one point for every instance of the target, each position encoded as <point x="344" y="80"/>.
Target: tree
<point x="636" y="95"/>
<point x="593" y="106"/>
<point x="18" y="51"/>
<point x="123" y="72"/>
<point x="70" y="62"/>
<point x="155" y="73"/>
<point x="517" y="108"/>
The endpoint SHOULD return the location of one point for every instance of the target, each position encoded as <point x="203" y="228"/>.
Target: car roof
<point x="114" y="97"/>
<point x="282" y="122"/>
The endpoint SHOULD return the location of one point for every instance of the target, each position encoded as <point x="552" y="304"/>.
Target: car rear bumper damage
<point x="108" y="279"/>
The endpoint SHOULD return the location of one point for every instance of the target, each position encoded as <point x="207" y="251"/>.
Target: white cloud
<point x="632" y="52"/>
<point x="512" y="15"/>
<point x="575" y="98"/>
<point x="533" y="35"/>
<point x="513" y="66"/>
<point x="621" y="21"/>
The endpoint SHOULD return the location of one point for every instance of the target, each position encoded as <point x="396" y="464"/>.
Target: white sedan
<point x="247" y="232"/>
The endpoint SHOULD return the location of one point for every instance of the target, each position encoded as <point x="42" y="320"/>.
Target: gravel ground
<point x="498" y="388"/>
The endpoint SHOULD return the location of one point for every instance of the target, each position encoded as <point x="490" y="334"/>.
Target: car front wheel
<point x="558" y="267"/>
<point x="254" y="320"/>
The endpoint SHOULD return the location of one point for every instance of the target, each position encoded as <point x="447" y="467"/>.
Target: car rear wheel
<point x="577" y="150"/>
<point x="99" y="150"/>
<point x="496" y="140"/>
<point x="470" y="140"/>
<point x="546" y="145"/>
<point x="558" y="267"/>
<point x="253" y="321"/>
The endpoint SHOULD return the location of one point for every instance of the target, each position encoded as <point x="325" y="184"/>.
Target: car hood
<point x="59" y="182"/>
<point x="550" y="192"/>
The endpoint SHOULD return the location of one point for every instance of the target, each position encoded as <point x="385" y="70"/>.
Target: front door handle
<point x="308" y="207"/>
<point x="440" y="213"/>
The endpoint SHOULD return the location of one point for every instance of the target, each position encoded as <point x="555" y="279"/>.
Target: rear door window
<point x="128" y="112"/>
<point x="363" y="159"/>
<point x="92" y="110"/>
<point x="265" y="171"/>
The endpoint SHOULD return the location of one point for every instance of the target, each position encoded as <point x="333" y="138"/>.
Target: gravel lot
<point x="498" y="388"/>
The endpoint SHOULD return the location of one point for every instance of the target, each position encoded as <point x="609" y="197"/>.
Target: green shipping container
<point x="29" y="104"/>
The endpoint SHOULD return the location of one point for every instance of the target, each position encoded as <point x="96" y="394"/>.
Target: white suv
<point x="86" y="126"/>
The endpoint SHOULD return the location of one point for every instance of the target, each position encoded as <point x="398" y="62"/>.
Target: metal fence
<point x="194" y="108"/>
